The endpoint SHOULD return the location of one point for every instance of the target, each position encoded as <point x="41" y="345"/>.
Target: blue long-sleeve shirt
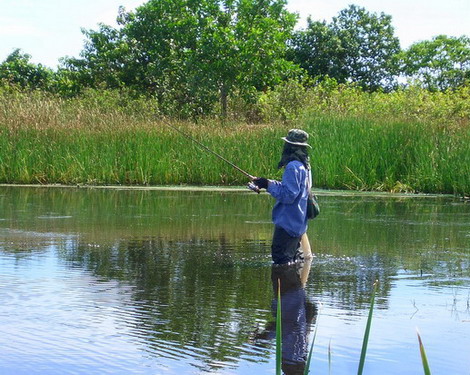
<point x="290" y="210"/>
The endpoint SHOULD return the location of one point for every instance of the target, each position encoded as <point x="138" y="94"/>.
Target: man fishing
<point x="289" y="214"/>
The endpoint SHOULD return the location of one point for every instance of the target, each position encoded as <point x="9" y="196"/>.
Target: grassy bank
<point x="49" y="140"/>
<point x="390" y="156"/>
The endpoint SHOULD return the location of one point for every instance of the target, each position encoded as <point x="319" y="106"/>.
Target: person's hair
<point x="292" y="152"/>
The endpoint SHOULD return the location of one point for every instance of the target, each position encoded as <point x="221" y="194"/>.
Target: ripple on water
<point x="138" y="292"/>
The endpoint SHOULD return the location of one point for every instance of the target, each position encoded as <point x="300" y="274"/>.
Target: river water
<point x="136" y="281"/>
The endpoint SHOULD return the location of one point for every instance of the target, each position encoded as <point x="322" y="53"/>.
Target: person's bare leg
<point x="305" y="244"/>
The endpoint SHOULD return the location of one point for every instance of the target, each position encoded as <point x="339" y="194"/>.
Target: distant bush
<point x="290" y="101"/>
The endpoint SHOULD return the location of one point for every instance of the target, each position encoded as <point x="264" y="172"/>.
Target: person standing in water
<point x="289" y="213"/>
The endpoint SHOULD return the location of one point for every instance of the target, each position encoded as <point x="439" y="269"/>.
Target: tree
<point x="440" y="63"/>
<point x="357" y="46"/>
<point x="106" y="60"/>
<point x="318" y="50"/>
<point x="191" y="54"/>
<point x="18" y="70"/>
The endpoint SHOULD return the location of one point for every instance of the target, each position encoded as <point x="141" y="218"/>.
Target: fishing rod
<point x="250" y="185"/>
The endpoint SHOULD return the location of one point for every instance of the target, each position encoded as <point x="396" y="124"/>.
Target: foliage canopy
<point x="440" y="63"/>
<point x="191" y="54"/>
<point x="357" y="46"/>
<point x="203" y="58"/>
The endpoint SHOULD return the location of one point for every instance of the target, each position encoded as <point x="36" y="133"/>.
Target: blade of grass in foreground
<point x="309" y="358"/>
<point x="366" y="334"/>
<point x="278" y="330"/>
<point x="424" y="358"/>
<point x="329" y="357"/>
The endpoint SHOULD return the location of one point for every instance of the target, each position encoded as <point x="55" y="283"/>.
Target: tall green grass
<point x="151" y="156"/>
<point x="279" y="330"/>
<point x="365" y="340"/>
<point x="424" y="358"/>
<point x="310" y="352"/>
<point x="389" y="156"/>
<point x="49" y="140"/>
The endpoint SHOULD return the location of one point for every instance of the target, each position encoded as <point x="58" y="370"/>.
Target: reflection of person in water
<point x="297" y="315"/>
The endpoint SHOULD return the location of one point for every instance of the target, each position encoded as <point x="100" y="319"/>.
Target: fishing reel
<point x="253" y="187"/>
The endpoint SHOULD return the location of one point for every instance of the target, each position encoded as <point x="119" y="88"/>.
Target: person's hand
<point x="261" y="182"/>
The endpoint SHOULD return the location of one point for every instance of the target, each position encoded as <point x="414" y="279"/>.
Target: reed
<point x="329" y="357"/>
<point x="361" y="154"/>
<point x="365" y="340"/>
<point x="49" y="140"/>
<point x="424" y="358"/>
<point x="278" y="330"/>
<point x="310" y="353"/>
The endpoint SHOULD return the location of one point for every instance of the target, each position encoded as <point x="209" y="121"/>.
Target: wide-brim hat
<point x="297" y="137"/>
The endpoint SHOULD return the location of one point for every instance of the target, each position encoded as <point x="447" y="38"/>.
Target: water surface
<point x="96" y="281"/>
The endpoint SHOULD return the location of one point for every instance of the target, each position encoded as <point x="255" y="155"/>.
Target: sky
<point x="50" y="29"/>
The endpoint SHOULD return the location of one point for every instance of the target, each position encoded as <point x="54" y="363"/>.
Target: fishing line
<point x="250" y="185"/>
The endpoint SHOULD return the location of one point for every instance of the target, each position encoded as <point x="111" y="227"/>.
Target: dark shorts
<point x="284" y="247"/>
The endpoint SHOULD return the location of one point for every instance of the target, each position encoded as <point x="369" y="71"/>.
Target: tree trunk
<point x="223" y="100"/>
